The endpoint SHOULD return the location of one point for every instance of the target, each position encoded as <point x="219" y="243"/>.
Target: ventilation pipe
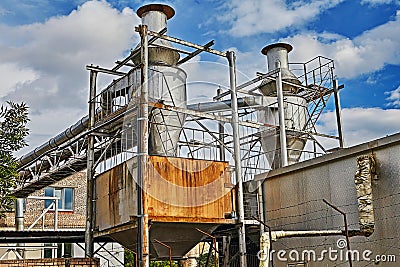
<point x="155" y="16"/>
<point x="167" y="84"/>
<point x="266" y="239"/>
<point x="294" y="113"/>
<point x="19" y="222"/>
<point x="54" y="142"/>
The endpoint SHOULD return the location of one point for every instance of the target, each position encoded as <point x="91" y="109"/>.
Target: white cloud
<point x="366" y="53"/>
<point x="394" y="98"/>
<point x="59" y="49"/>
<point x="12" y="77"/>
<point x="248" y="17"/>
<point x="362" y="124"/>
<point x="43" y="64"/>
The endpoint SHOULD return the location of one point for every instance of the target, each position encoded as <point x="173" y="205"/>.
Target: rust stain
<point x="116" y="192"/>
<point x="187" y="172"/>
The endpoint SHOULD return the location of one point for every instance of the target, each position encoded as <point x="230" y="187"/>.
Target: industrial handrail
<point x="54" y="204"/>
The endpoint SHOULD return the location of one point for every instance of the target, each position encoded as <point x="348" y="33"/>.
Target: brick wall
<point x="66" y="219"/>
<point x="72" y="262"/>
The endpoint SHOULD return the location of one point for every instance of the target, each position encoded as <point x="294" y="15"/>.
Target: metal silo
<point x="167" y="84"/>
<point x="294" y="108"/>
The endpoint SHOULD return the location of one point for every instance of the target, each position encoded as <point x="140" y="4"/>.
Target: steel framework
<point x="117" y="128"/>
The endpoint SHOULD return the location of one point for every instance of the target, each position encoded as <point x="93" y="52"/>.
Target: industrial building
<point x="246" y="171"/>
<point x="42" y="216"/>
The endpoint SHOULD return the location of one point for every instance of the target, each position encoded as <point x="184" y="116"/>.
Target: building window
<point x="48" y="251"/>
<point x="63" y="250"/>
<point x="65" y="195"/>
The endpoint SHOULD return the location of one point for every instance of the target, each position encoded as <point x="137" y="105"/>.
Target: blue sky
<point x="46" y="44"/>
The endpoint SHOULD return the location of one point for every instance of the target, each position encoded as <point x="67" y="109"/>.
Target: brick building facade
<point x="67" y="219"/>
<point x="71" y="192"/>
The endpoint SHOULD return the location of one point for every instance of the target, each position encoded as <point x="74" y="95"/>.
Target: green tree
<point x="13" y="130"/>
<point x="129" y="260"/>
<point x="202" y="260"/>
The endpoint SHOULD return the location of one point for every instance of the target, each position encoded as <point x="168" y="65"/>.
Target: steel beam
<point x="281" y="111"/>
<point x="143" y="151"/>
<point x="90" y="172"/>
<point x="103" y="70"/>
<point x="195" y="53"/>
<point x="186" y="43"/>
<point x="338" y="111"/>
<point x="237" y="158"/>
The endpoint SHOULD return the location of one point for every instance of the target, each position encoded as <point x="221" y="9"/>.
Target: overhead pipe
<point x="267" y="239"/>
<point x="71" y="132"/>
<point x="82" y="125"/>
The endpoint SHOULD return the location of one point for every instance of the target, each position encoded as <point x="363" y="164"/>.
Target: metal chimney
<point x="295" y="108"/>
<point x="167" y="83"/>
<point x="155" y="16"/>
<point x="278" y="52"/>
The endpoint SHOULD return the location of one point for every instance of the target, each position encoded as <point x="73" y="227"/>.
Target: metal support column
<point x="19" y="222"/>
<point x="281" y="111"/>
<point x="90" y="170"/>
<point x="346" y="228"/>
<point x="261" y="204"/>
<point x="221" y="132"/>
<point x="338" y="113"/>
<point x="238" y="168"/>
<point x="143" y="151"/>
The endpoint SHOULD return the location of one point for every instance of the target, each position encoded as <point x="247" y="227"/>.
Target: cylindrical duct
<point x="167" y="84"/>
<point x="155" y="16"/>
<point x="19" y="221"/>
<point x="295" y="109"/>
<point x="279" y="53"/>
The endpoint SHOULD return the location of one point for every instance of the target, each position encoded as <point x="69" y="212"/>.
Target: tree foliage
<point x="202" y="260"/>
<point x="129" y="261"/>
<point x="13" y="130"/>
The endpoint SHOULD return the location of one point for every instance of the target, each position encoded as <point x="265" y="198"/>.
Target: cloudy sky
<point x="46" y="44"/>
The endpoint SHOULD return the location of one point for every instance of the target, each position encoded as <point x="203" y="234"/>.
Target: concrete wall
<point x="293" y="201"/>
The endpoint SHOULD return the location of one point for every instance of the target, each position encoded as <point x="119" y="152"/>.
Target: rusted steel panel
<point x="178" y="190"/>
<point x="188" y="190"/>
<point x="115" y="197"/>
